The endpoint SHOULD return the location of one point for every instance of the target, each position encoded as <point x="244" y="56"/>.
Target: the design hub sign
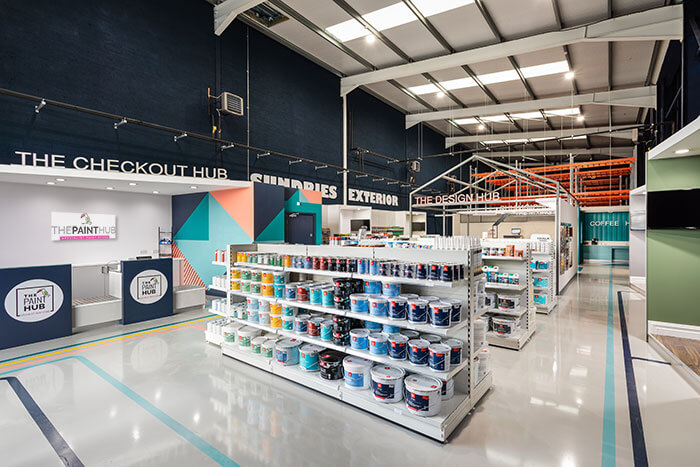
<point x="82" y="226"/>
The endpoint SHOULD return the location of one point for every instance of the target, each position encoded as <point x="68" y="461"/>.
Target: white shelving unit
<point x="544" y="296"/>
<point x="526" y="312"/>
<point x="468" y="391"/>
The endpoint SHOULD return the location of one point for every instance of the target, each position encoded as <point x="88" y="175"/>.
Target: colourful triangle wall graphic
<point x="196" y="227"/>
<point x="182" y="208"/>
<point x="238" y="202"/>
<point x="311" y="196"/>
<point x="274" y="232"/>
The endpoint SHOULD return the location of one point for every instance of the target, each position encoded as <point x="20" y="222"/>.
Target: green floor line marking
<point x="608" y="448"/>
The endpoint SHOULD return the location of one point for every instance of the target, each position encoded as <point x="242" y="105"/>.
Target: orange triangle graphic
<point x="238" y="203"/>
<point x="312" y="196"/>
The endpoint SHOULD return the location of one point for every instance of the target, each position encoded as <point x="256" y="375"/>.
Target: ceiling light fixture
<point x="392" y="16"/>
<point x="132" y="184"/>
<point x="682" y="151"/>
<point x="370" y="38"/>
<point x="534" y="71"/>
<point x="60" y="179"/>
<point x="569" y="75"/>
<point x="520" y="116"/>
<point x="155" y="192"/>
<point x="481" y="127"/>
<point x="109" y="188"/>
<point x="50" y="183"/>
<point x="580" y="118"/>
<point x="193" y="187"/>
<point x="440" y="94"/>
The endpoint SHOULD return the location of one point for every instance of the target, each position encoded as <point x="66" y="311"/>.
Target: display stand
<point x="468" y="390"/>
<point x="543" y="280"/>
<point x="509" y="263"/>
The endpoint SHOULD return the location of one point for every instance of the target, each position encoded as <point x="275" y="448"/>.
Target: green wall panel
<point x="673" y="174"/>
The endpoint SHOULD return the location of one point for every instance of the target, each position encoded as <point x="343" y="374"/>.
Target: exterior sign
<point x="82" y="226"/>
<point x="456" y="199"/>
<point x="33" y="300"/>
<point x="148" y="287"/>
<point x="33" y="159"/>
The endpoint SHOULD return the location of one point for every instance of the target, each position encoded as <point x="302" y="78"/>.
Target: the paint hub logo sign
<point x="82" y="226"/>
<point x="33" y="300"/>
<point x="148" y="287"/>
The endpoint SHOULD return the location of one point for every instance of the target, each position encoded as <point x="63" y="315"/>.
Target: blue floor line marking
<point x="106" y="338"/>
<point x="651" y="360"/>
<point x="213" y="453"/>
<point x="639" y="447"/>
<point x="608" y="448"/>
<point x="64" y="451"/>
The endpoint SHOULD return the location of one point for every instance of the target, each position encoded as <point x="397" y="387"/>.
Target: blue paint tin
<point x="327" y="330"/>
<point x="301" y="324"/>
<point x="378" y="306"/>
<point x="372" y="326"/>
<point x="378" y="343"/>
<point x="418" y="351"/>
<point x="389" y="329"/>
<point x="289" y="311"/>
<point x="359" y="303"/>
<point x="439" y="357"/>
<point x="359" y="338"/>
<point x="373" y="287"/>
<point x="456" y="346"/>
<point x="398" y="307"/>
<point x="290" y="291"/>
<point x="287" y="351"/>
<point x="327" y="296"/>
<point x="398" y="346"/>
<point x="316" y="294"/>
<point x="456" y="315"/>
<point x="308" y="357"/>
<point x="391" y="289"/>
<point x="373" y="267"/>
<point x="279" y="291"/>
<point x="308" y="262"/>
<point x="356" y="372"/>
<point x="434" y="271"/>
<point x="362" y="266"/>
<point x="280" y="278"/>
<point x="440" y="313"/>
<point x="447" y="273"/>
<point x="417" y="311"/>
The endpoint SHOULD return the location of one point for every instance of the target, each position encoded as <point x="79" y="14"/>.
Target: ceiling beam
<point x="615" y="152"/>
<point x="654" y="24"/>
<point x="644" y="96"/>
<point x="226" y="12"/>
<point x="619" y="131"/>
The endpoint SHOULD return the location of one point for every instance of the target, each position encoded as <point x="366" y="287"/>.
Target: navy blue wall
<point x="154" y="61"/>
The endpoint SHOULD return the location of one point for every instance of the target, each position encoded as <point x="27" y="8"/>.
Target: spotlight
<point x="569" y="75"/>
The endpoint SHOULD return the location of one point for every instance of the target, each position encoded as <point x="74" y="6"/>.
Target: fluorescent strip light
<point x="392" y="16"/>
<point x="467" y="121"/>
<point x="499" y="77"/>
<point x="520" y="116"/>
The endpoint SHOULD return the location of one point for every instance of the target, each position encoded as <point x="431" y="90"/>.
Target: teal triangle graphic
<point x="291" y="203"/>
<point x="274" y="232"/>
<point x="224" y="231"/>
<point x="196" y="227"/>
<point x="302" y="197"/>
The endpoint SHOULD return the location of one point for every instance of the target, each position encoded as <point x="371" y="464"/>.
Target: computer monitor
<point x="516" y="231"/>
<point x="355" y="224"/>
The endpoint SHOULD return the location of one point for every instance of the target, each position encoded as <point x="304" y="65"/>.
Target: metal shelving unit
<point x="526" y="312"/>
<point x="544" y="297"/>
<point x="467" y="391"/>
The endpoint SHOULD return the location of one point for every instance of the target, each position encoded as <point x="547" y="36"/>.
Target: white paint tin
<point x="387" y="383"/>
<point x="423" y="395"/>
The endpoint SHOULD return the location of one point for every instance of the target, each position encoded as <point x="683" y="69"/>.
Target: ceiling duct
<point x="266" y="15"/>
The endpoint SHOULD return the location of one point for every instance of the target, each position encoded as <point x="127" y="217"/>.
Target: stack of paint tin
<point x="341" y="330"/>
<point x="343" y="288"/>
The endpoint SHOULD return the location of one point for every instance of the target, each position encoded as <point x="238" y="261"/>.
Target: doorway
<point x="300" y="228"/>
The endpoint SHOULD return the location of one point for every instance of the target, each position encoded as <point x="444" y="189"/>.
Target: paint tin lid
<point x="441" y="306"/>
<point x="248" y="331"/>
<point x="410" y="333"/>
<point x="432" y="338"/>
<point x="398" y="299"/>
<point x="421" y="383"/>
<point x="418" y="301"/>
<point x="409" y="296"/>
<point x="377" y="299"/>
<point x="454" y="343"/>
<point x="259" y="340"/>
<point x="430" y="298"/>
<point x="452" y="301"/>
<point x="288" y="343"/>
<point x="311" y="349"/>
<point x="378" y="337"/>
<point x="440" y="348"/>
<point x="398" y="338"/>
<point x="359" y="332"/>
<point x="420" y="343"/>
<point x="387" y="373"/>
<point x="356" y="363"/>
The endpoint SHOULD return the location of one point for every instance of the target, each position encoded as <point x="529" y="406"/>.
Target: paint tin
<point x="252" y="303"/>
<point x="314" y="326"/>
<point x="316" y="263"/>
<point x="389" y="329"/>
<point x="255" y="276"/>
<point x="267" y="277"/>
<point x="308" y="262"/>
<point x="447" y="272"/>
<point x="235" y="273"/>
<point x="256" y="345"/>
<point x="268" y="348"/>
<point x="430" y="298"/>
<point x="504" y="326"/>
<point x="327" y="330"/>
<point x="378" y="306"/>
<point x="323" y="264"/>
<point x="391" y="289"/>
<point x="287" y="351"/>
<point x="279" y="278"/>
<point x="245" y="336"/>
<point x="263" y="305"/>
<point x="290" y="291"/>
<point x="410" y="333"/>
<point x="362" y="266"/>
<point x="387" y="383"/>
<point x="423" y="395"/>
<point x="432" y="338"/>
<point x="373" y="287"/>
<point x="378" y="343"/>
<point x="434" y="271"/>
<point x="409" y="296"/>
<point x="359" y="303"/>
<point x="373" y="267"/>
<point x="288" y="323"/>
<point x="276" y="321"/>
<point x="316" y="294"/>
<point x="448" y="390"/>
<point x="397" y="309"/>
<point x="409" y="270"/>
<point x="385" y="268"/>
<point x="508" y="302"/>
<point x="332" y="266"/>
<point x="417" y="311"/>
<point x="456" y="315"/>
<point x="301" y="324"/>
<point x="356" y="371"/>
<point x="373" y="326"/>
<point x="439" y="357"/>
<point x="418" y="351"/>
<point x="359" y="339"/>
<point x="264" y="318"/>
<point x="341" y="338"/>
<point x="352" y="265"/>
<point x="341" y="265"/>
<point x="308" y="357"/>
<point x="327" y="296"/>
<point x="245" y="286"/>
<point x="456" y="347"/>
<point x="245" y="274"/>
<point x="331" y="365"/>
<point x="289" y="310"/>
<point x="396" y="269"/>
<point x="255" y="288"/>
<point x="440" y="313"/>
<point x="303" y="292"/>
<point x="421" y="271"/>
<point x="236" y="284"/>
<point x="397" y="347"/>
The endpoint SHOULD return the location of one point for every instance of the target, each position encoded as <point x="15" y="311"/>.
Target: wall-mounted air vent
<point x="414" y="166"/>
<point x="231" y="104"/>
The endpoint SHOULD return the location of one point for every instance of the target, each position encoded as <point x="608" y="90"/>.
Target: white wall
<point x="568" y="214"/>
<point x="25" y="238"/>
<point x="637" y="243"/>
<point x="528" y="226"/>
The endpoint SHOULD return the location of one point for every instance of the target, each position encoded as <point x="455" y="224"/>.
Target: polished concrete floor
<point x="165" y="397"/>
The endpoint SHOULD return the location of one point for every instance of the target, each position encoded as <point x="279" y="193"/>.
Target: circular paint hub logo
<point x="148" y="287"/>
<point x="33" y="300"/>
